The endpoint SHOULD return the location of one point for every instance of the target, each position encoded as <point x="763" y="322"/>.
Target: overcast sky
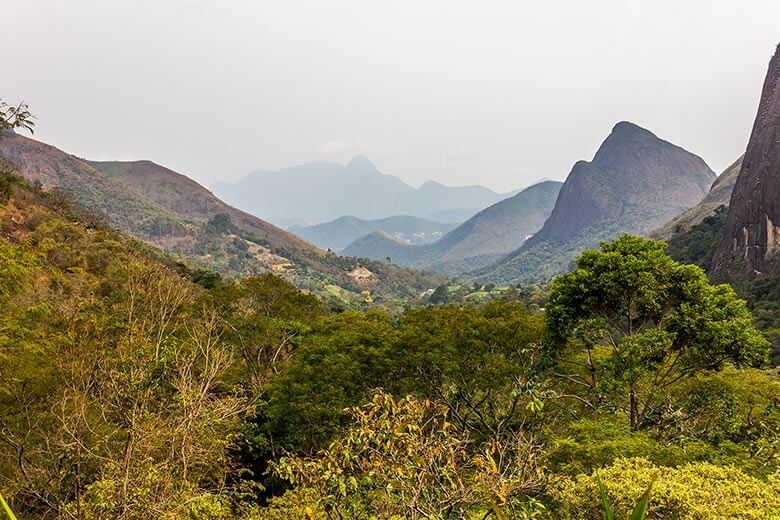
<point x="493" y="92"/>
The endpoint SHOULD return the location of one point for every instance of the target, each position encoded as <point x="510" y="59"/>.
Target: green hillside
<point x="479" y="241"/>
<point x="128" y="390"/>
<point x="172" y="212"/>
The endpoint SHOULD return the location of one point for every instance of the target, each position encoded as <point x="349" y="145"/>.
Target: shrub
<point x="699" y="491"/>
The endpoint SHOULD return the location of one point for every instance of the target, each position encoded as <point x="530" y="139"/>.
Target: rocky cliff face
<point x="635" y="183"/>
<point x="632" y="172"/>
<point x="751" y="240"/>
<point x="719" y="195"/>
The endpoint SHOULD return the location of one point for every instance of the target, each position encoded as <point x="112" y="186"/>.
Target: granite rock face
<point x="751" y="239"/>
<point x="633" y="171"/>
<point x="635" y="183"/>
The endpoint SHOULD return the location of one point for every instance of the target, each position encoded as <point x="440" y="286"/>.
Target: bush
<point x="699" y="491"/>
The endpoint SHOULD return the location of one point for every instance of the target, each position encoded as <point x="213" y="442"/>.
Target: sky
<point x="499" y="93"/>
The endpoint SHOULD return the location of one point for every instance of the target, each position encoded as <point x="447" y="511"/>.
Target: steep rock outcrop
<point x="751" y="239"/>
<point x="635" y="183"/>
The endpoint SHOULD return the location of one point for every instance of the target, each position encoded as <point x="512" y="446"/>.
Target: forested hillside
<point x="132" y="387"/>
<point x="172" y="212"/>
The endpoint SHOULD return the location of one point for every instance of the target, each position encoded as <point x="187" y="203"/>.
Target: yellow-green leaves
<point x="401" y="456"/>
<point x="698" y="491"/>
<point x="6" y="508"/>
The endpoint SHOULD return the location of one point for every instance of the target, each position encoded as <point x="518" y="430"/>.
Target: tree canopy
<point x="645" y="322"/>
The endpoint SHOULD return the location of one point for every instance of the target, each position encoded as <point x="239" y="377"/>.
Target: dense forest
<point x="134" y="387"/>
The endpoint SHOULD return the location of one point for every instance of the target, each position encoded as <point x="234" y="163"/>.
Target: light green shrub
<point x="699" y="491"/>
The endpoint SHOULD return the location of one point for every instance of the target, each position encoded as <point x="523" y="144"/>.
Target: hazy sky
<point x="493" y="92"/>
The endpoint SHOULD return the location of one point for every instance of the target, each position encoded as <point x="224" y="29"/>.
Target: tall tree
<point x="638" y="323"/>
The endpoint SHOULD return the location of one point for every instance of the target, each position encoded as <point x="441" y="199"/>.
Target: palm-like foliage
<point x="639" y="511"/>
<point x="7" y="509"/>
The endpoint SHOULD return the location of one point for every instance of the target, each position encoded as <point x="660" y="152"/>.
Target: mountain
<point x="479" y="241"/>
<point x="452" y="215"/>
<point x="339" y="233"/>
<point x="751" y="237"/>
<point x="635" y="183"/>
<point x="170" y="211"/>
<point x="719" y="195"/>
<point x="320" y="192"/>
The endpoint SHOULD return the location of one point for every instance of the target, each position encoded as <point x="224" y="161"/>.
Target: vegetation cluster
<point x="134" y="387"/>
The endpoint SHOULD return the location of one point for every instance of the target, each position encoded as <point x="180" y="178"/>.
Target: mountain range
<point x="170" y="211"/>
<point x="482" y="239"/>
<point x="320" y="192"/>
<point x="635" y="183"/>
<point x="339" y="233"/>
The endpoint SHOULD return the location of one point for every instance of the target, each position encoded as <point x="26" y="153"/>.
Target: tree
<point x="480" y="362"/>
<point x="15" y="116"/>
<point x="440" y="295"/>
<point x="402" y="458"/>
<point x="639" y="323"/>
<point x="334" y="367"/>
<point x="264" y="316"/>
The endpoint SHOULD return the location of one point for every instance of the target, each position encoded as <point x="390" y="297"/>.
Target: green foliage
<point x="134" y="387"/>
<point x="698" y="244"/>
<point x="15" y="116"/>
<point x="7" y="509"/>
<point x="654" y="322"/>
<point x="698" y="491"/>
<point x="299" y="502"/>
<point x="763" y="296"/>
<point x="334" y="367"/>
<point x="588" y="444"/>
<point x="402" y="458"/>
<point x="220" y="223"/>
<point x="480" y="361"/>
<point x="639" y="511"/>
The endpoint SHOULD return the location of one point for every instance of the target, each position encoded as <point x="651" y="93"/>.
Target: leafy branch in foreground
<point x="403" y="458"/>
<point x="15" y="116"/>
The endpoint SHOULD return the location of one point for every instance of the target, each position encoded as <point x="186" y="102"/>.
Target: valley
<point x="449" y="333"/>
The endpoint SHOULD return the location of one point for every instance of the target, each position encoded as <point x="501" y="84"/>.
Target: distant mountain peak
<point x="319" y="192"/>
<point x="635" y="182"/>
<point x="629" y="127"/>
<point x="361" y="164"/>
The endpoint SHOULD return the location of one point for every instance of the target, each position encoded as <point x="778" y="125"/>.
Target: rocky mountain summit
<point x="635" y="183"/>
<point x="751" y="237"/>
